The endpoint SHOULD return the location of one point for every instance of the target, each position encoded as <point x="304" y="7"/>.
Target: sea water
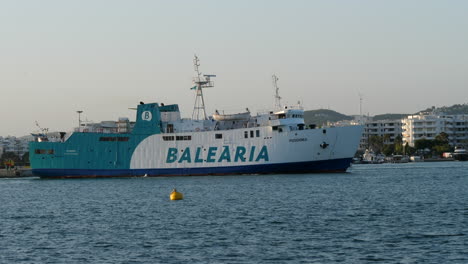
<point x="388" y="213"/>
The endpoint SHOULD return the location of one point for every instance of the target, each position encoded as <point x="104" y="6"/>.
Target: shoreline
<point x="18" y="173"/>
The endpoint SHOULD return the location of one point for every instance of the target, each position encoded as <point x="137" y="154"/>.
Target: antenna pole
<point x="277" y="97"/>
<point x="360" y="108"/>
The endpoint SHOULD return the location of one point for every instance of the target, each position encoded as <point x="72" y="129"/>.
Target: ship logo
<point x="215" y="154"/>
<point x="146" y="115"/>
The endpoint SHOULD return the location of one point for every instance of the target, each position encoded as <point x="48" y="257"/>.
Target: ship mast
<point x="277" y="96"/>
<point x="201" y="81"/>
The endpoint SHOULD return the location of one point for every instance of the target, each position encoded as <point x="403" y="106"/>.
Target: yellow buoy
<point x="175" y="195"/>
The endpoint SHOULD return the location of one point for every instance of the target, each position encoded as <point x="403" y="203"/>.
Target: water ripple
<point x="389" y="213"/>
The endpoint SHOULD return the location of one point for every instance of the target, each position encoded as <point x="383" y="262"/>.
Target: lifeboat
<point x="231" y="117"/>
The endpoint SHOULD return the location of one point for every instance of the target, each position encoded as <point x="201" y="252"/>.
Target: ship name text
<point x="215" y="154"/>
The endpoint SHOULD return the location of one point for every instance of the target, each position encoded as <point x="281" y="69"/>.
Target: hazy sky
<point x="103" y="57"/>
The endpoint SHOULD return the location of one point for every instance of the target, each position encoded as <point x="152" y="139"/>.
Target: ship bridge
<point x="286" y="119"/>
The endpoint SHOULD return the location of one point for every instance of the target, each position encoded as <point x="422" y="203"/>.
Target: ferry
<point x="161" y="143"/>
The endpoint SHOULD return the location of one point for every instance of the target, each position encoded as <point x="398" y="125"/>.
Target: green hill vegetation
<point x="457" y="109"/>
<point x="322" y="116"/>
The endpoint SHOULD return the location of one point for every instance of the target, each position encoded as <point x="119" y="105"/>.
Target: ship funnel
<point x="148" y="119"/>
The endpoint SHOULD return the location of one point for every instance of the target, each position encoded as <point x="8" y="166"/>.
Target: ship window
<point x="183" y="137"/>
<point x="251" y="133"/>
<point x="274" y="128"/>
<point x="246" y="134"/>
<point x="257" y="133"/>
<point x="168" y="138"/>
<point x="218" y="136"/>
<point x="44" y="151"/>
<point x="170" y="128"/>
<point x="280" y="129"/>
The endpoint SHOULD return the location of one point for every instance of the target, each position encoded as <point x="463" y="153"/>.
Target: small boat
<point x="399" y="159"/>
<point x="369" y="157"/>
<point x="416" y="159"/>
<point x="460" y="154"/>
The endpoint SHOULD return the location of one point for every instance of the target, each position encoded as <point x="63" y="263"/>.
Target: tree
<point x="10" y="155"/>
<point x="439" y="149"/>
<point x="376" y="143"/>
<point x="7" y="156"/>
<point x="423" y="144"/>
<point x="442" y="139"/>
<point x="441" y="144"/>
<point x="388" y="150"/>
<point x="398" y="143"/>
<point x="409" y="150"/>
<point x="386" y="139"/>
<point x="25" y="157"/>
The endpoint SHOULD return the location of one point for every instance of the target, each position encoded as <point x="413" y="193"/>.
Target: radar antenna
<point x="201" y="81"/>
<point x="277" y="96"/>
<point x="43" y="130"/>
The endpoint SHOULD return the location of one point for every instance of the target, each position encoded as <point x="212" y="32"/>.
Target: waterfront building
<point x="429" y="125"/>
<point x="389" y="130"/>
<point x="17" y="145"/>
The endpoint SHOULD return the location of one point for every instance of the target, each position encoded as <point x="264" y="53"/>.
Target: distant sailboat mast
<point x="361" y="119"/>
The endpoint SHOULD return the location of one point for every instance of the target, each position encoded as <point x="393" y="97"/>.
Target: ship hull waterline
<point x="322" y="166"/>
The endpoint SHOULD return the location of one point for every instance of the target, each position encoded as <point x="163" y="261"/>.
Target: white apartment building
<point x="428" y="126"/>
<point x="388" y="129"/>
<point x="16" y="145"/>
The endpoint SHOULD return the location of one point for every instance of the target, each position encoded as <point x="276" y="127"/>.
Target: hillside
<point x="322" y="116"/>
<point x="457" y="109"/>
